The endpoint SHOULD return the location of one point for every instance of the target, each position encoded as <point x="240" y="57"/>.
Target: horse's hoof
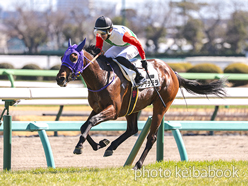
<point x="137" y="166"/>
<point x="108" y="153"/>
<point x="104" y="143"/>
<point x="77" y="151"/>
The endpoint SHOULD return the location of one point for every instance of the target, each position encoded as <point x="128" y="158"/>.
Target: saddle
<point x="130" y="74"/>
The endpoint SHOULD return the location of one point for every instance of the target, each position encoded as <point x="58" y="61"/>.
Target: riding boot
<point x="139" y="79"/>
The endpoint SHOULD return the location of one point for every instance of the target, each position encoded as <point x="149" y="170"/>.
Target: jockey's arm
<point x="133" y="41"/>
<point x="99" y="42"/>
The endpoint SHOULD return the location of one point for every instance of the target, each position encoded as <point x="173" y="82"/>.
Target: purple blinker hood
<point x="76" y="67"/>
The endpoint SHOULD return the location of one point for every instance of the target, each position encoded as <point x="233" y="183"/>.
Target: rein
<point x="89" y="64"/>
<point x="90" y="61"/>
<point x="78" y="67"/>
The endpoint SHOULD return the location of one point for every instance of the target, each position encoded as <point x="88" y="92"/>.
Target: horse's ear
<point x="81" y="46"/>
<point x="69" y="42"/>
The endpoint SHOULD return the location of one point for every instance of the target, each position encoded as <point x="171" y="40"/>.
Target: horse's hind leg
<point x="132" y="128"/>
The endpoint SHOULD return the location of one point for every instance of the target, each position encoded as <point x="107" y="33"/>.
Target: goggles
<point x="101" y="32"/>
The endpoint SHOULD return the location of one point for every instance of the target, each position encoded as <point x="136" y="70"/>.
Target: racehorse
<point x="109" y="94"/>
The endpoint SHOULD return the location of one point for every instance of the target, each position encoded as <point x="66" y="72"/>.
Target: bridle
<point x="90" y="63"/>
<point x="78" y="67"/>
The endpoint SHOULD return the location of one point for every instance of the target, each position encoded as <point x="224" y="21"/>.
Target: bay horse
<point x="109" y="94"/>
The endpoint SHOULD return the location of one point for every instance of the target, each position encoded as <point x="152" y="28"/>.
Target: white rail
<point x="79" y="96"/>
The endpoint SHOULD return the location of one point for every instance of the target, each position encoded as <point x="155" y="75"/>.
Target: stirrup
<point x="140" y="82"/>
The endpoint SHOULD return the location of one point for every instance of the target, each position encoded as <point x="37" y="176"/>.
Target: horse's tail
<point x="192" y="86"/>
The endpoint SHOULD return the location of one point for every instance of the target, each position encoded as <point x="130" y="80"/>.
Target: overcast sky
<point x="7" y="4"/>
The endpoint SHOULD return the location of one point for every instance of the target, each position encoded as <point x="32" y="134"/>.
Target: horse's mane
<point x="93" y="50"/>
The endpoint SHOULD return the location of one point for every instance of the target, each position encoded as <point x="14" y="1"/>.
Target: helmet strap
<point x="109" y="33"/>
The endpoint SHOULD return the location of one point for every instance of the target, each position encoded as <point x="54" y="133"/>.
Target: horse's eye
<point x="73" y="57"/>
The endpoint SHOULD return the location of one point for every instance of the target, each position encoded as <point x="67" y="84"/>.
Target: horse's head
<point x="72" y="63"/>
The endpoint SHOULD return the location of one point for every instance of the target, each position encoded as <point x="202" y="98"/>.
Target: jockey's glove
<point x="144" y="64"/>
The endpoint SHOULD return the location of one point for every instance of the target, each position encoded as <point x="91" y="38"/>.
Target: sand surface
<point x="27" y="152"/>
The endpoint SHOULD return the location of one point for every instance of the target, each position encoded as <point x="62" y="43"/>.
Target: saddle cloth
<point x="130" y="74"/>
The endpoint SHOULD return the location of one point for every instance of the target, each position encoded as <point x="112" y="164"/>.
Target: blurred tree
<point x="237" y="30"/>
<point x="80" y="24"/>
<point x="133" y="22"/>
<point x="188" y="26"/>
<point x="75" y="27"/>
<point x="73" y="32"/>
<point x="185" y="7"/>
<point x="117" y="20"/>
<point x="153" y="20"/>
<point x="212" y="27"/>
<point x="209" y="28"/>
<point x="201" y="21"/>
<point x="29" y="26"/>
<point x="192" y="32"/>
<point x="57" y="22"/>
<point x="130" y="19"/>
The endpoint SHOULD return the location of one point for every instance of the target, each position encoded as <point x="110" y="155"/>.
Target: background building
<point x="66" y="6"/>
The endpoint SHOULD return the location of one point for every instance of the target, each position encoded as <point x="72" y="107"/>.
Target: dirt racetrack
<point x="27" y="152"/>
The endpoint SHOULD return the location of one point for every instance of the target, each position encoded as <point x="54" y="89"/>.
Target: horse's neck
<point x="94" y="76"/>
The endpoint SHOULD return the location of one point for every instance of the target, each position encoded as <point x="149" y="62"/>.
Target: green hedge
<point x="238" y="68"/>
<point x="6" y="66"/>
<point x="205" y="68"/>
<point x="55" y="67"/>
<point x="34" y="67"/>
<point x="180" y="67"/>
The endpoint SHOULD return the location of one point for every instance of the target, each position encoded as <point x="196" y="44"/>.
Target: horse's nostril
<point x="60" y="80"/>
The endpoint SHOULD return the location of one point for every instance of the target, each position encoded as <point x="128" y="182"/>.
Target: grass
<point x="160" y="173"/>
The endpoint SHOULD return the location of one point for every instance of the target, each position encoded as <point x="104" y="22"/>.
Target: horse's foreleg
<point x="94" y="119"/>
<point x="79" y="146"/>
<point x="132" y="128"/>
<point x="157" y="117"/>
<point x="95" y="146"/>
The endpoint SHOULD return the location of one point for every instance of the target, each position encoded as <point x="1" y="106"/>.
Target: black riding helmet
<point x="103" y="24"/>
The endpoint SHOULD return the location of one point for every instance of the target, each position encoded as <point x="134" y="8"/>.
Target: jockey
<point x="125" y="45"/>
